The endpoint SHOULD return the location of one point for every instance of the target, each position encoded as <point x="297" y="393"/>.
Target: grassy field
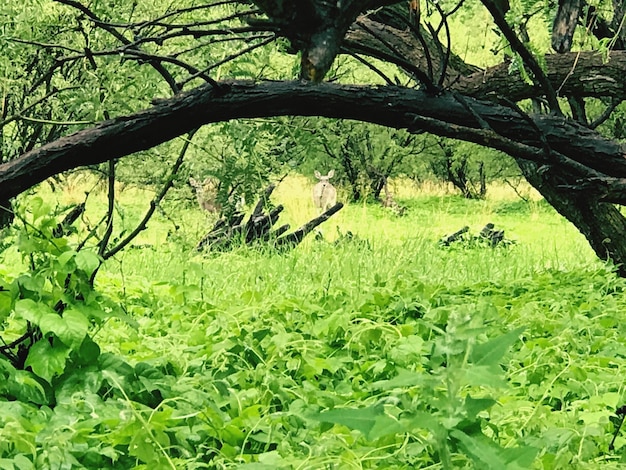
<point x="384" y="350"/>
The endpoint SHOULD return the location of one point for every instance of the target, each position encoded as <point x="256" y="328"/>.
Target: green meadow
<point x="367" y="346"/>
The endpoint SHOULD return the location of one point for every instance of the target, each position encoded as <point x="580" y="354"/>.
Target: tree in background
<point x="468" y="167"/>
<point x="366" y="155"/>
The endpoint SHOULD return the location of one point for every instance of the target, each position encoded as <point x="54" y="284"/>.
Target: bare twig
<point x="155" y="201"/>
<point x="518" y="46"/>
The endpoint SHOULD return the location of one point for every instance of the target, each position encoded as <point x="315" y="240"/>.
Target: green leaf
<point x="47" y="360"/>
<point x="491" y="376"/>
<point x="51" y="322"/>
<point x="32" y="311"/>
<point x="88" y="352"/>
<point x="6" y="302"/>
<point x="473" y="406"/>
<point x="488" y="454"/>
<point x="25" y="388"/>
<point x="65" y="257"/>
<point x="519" y="457"/>
<point x="76" y="328"/>
<point x="405" y="378"/>
<point x="87" y="262"/>
<point x="491" y="352"/>
<point x="71" y="328"/>
<point x="483" y="451"/>
<point x="22" y="462"/>
<point x="421" y="420"/>
<point x="38" y="207"/>
<point x="371" y="421"/>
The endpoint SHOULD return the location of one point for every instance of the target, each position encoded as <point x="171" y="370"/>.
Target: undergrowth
<point x="363" y="353"/>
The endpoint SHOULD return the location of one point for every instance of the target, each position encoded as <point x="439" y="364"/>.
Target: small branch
<point x="605" y="114"/>
<point x="525" y="54"/>
<point x="419" y="75"/>
<point x="19" y="114"/>
<point x="111" y="209"/>
<point x="496" y="141"/>
<point x="156" y="201"/>
<point x="370" y="66"/>
<point x="297" y="236"/>
<point x="227" y="59"/>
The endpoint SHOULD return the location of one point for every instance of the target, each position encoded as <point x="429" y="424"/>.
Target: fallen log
<point x="229" y="232"/>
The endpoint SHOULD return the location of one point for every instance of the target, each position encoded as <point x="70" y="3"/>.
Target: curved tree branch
<point x="389" y="106"/>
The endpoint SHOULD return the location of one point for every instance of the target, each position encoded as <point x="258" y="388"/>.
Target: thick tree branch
<point x="518" y="46"/>
<point x="395" y="107"/>
<point x="583" y="74"/>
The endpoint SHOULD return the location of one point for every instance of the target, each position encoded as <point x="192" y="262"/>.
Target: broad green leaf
<point x="88" y="352"/>
<point x="145" y="445"/>
<point x="46" y="360"/>
<point x="473" y="406"/>
<point x="51" y="322"/>
<point x="519" y="457"/>
<point x="32" y="311"/>
<point x="488" y="454"/>
<point x="483" y="451"/>
<point x="24" y="386"/>
<point x="491" y="352"/>
<point x="22" y="462"/>
<point x="385" y="426"/>
<point x="421" y="420"/>
<point x="87" y="262"/>
<point x="371" y="421"/>
<point x="76" y="327"/>
<point x="405" y="378"/>
<point x="485" y="375"/>
<point x="65" y="257"/>
<point x="18" y="462"/>
<point x="6" y="301"/>
<point x="71" y="328"/>
<point x="38" y="207"/>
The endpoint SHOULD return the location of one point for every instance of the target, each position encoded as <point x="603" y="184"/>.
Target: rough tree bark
<point x="572" y="146"/>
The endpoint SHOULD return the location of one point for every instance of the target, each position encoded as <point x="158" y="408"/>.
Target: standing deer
<point x="206" y="193"/>
<point x="324" y="193"/>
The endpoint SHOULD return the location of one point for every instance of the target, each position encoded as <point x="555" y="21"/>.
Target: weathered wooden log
<point x="453" y="237"/>
<point x="296" y="237"/>
<point x="493" y="236"/>
<point x="226" y="233"/>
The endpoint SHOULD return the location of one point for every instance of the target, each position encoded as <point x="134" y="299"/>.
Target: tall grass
<point x="253" y="340"/>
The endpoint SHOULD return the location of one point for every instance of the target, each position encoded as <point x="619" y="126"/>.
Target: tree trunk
<point x="602" y="224"/>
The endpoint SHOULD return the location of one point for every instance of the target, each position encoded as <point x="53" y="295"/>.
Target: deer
<point x="324" y="193"/>
<point x="390" y="203"/>
<point x="206" y="192"/>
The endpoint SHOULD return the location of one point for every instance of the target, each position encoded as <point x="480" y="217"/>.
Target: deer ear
<point x="318" y="175"/>
<point x="331" y="173"/>
<point x="192" y="181"/>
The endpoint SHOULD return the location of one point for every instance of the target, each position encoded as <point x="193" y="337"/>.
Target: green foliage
<point x="364" y="155"/>
<point x="49" y="313"/>
<point x="469" y="167"/>
<point x="385" y="354"/>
